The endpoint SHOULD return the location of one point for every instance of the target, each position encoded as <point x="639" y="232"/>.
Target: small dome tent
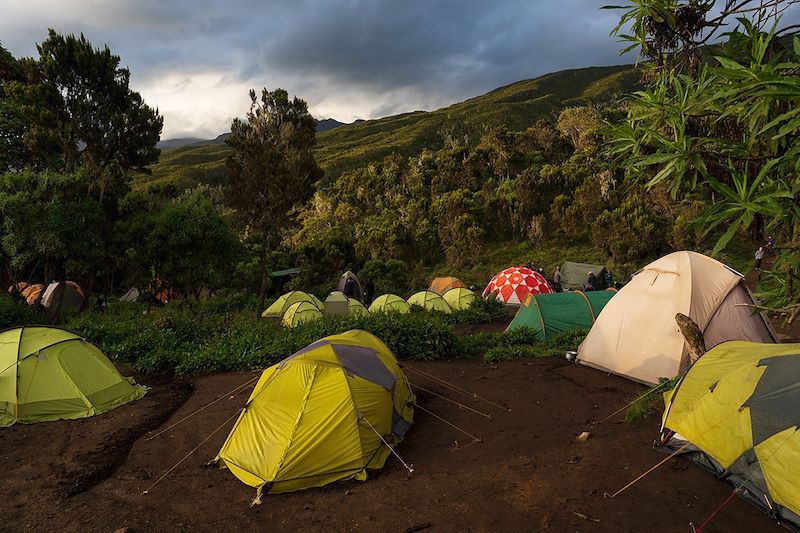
<point x="49" y="374"/>
<point x="735" y="413"/>
<point x="430" y="301"/>
<point x="459" y="299"/>
<point x="636" y="335"/>
<point x="356" y="308"/>
<point x="278" y="309"/>
<point x="442" y="285"/>
<point x="329" y="412"/>
<point x="350" y="286"/>
<point x="73" y="296"/>
<point x="575" y="275"/>
<point x="557" y="312"/>
<point x="337" y="304"/>
<point x="389" y="303"/>
<point x="300" y="313"/>
<point x="513" y="284"/>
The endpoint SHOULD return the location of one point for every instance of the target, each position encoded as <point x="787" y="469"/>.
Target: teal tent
<point x="554" y="313"/>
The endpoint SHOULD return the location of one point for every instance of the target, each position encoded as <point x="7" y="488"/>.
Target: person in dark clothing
<point x="591" y="282"/>
<point x="350" y="288"/>
<point x="369" y="290"/>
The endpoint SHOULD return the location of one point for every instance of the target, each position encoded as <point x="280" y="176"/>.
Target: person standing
<point x="557" y="279"/>
<point x="759" y="259"/>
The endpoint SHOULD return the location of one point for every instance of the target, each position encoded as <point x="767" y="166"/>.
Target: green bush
<point x="15" y="312"/>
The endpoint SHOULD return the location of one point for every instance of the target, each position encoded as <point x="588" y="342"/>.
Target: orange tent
<point x="442" y="285"/>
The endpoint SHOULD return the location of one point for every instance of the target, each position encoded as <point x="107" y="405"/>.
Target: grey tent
<point x="72" y="296"/>
<point x="350" y="286"/>
<point x="131" y="296"/>
<point x="574" y="275"/>
<point x="337" y="304"/>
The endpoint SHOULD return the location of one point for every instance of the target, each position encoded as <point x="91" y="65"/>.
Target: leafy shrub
<point x="15" y="312"/>
<point x="481" y="310"/>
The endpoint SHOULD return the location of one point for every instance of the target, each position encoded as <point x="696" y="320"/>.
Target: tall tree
<point x="273" y="170"/>
<point x="78" y="101"/>
<point x="725" y="125"/>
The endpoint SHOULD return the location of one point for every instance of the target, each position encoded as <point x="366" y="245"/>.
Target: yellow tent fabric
<point x="52" y="374"/>
<point x="300" y="313"/>
<point x="356" y="308"/>
<point x="389" y="303"/>
<point x="739" y="405"/>
<point x="441" y="285"/>
<point x="278" y="309"/>
<point x="459" y="299"/>
<point x="430" y="301"/>
<point x="318" y="416"/>
<point x="636" y="335"/>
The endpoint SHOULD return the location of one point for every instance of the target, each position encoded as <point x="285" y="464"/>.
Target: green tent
<point x="356" y="308"/>
<point x="52" y="374"/>
<point x="431" y="301"/>
<point x="459" y="298"/>
<point x="554" y="313"/>
<point x="574" y="275"/>
<point x="389" y="303"/>
<point x="282" y="304"/>
<point x="300" y="313"/>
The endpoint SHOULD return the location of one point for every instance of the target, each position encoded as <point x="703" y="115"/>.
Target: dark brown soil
<point x="528" y="474"/>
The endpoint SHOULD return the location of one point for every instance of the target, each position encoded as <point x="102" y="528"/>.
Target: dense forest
<point x="701" y="154"/>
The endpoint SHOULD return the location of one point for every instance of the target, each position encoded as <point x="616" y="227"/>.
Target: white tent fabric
<point x="636" y="334"/>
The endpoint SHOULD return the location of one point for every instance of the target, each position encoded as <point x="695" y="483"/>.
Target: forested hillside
<point x="346" y="147"/>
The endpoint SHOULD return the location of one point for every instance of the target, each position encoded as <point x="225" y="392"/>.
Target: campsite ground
<point x="528" y="474"/>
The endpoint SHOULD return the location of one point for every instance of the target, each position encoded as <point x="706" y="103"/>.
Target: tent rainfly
<point x="554" y="313"/>
<point x="388" y="303"/>
<point x="278" y="309"/>
<point x="459" y="299"/>
<point x="441" y="285"/>
<point x="337" y="304"/>
<point x="430" y="301"/>
<point x="735" y="412"/>
<point x="513" y="284"/>
<point x="329" y="412"/>
<point x="636" y="335"/>
<point x="575" y="275"/>
<point x="49" y="374"/>
<point x="356" y="308"/>
<point x="300" y="313"/>
<point x="350" y="286"/>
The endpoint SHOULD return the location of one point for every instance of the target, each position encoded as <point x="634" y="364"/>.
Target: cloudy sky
<point x="196" y="60"/>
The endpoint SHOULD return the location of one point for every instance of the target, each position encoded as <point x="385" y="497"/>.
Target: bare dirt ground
<point x="528" y="474"/>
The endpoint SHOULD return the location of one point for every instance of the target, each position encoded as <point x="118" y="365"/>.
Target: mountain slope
<point x="515" y="106"/>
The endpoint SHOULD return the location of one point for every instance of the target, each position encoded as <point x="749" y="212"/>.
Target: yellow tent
<point x="319" y="415"/>
<point x="430" y="301"/>
<point x="459" y="299"/>
<point x="52" y="374"/>
<point x="299" y="313"/>
<point x="739" y="407"/>
<point x="389" y="303"/>
<point x="356" y="308"/>
<point x="278" y="309"/>
<point x="442" y="285"/>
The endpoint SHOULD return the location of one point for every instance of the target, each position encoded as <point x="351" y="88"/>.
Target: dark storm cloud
<point x="196" y="59"/>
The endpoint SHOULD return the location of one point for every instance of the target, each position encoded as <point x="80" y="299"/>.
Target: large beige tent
<point x="636" y="334"/>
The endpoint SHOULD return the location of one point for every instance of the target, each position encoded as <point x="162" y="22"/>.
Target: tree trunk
<point x="262" y="294"/>
<point x="693" y="336"/>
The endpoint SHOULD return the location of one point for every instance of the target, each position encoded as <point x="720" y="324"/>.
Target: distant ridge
<point x="516" y="106"/>
<point x="325" y="124"/>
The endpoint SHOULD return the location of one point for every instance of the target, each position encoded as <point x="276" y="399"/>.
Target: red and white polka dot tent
<point x="513" y="284"/>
